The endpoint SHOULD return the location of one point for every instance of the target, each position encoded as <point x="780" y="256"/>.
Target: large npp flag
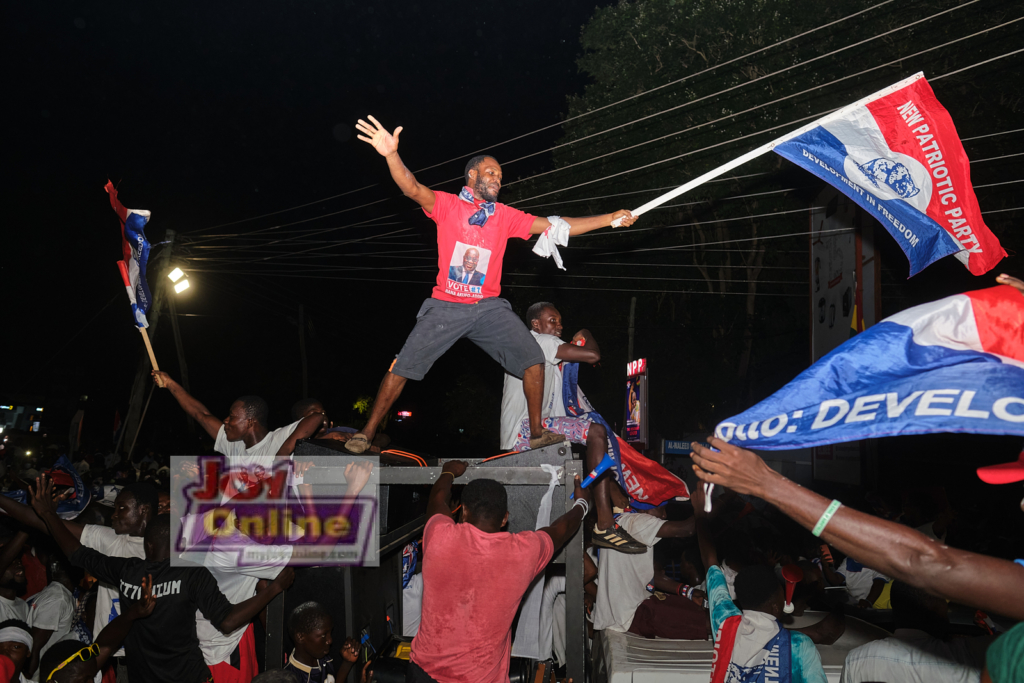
<point x="135" y="254"/>
<point x="953" y="365"/>
<point x="900" y="158"/>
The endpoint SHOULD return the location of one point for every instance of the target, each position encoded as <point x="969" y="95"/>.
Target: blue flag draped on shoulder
<point x="953" y="365"/>
<point x="135" y="253"/>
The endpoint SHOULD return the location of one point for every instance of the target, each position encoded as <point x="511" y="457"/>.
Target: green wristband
<point x="826" y="517"/>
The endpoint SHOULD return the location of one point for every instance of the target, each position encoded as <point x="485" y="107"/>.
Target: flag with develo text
<point x="953" y="365"/>
<point x="135" y="254"/>
<point x="900" y="158"/>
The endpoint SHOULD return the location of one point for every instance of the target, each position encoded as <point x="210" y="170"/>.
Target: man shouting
<point x="472" y="230"/>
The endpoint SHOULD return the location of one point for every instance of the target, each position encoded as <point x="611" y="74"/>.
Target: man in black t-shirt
<point x="164" y="647"/>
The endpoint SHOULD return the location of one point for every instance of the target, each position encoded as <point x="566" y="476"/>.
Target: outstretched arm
<point x="579" y="226"/>
<point x="887" y="547"/>
<point x="566" y="526"/>
<point x="309" y="426"/>
<point x="41" y="496"/>
<point x="193" y="408"/>
<point x="386" y="145"/>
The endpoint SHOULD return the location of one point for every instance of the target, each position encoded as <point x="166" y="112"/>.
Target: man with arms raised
<point x="474" y="577"/>
<point x="472" y="230"/>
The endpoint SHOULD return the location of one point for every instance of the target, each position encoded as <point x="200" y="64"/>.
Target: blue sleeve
<point x="722" y="606"/>
<point x="807" y="666"/>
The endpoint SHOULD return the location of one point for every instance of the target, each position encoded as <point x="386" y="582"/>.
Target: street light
<point x="181" y="286"/>
<point x="175" y="274"/>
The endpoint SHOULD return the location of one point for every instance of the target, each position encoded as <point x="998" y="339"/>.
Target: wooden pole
<point x="149" y="348"/>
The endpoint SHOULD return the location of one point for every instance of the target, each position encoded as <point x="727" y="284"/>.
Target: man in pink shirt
<point x="474" y="577"/>
<point x="472" y="232"/>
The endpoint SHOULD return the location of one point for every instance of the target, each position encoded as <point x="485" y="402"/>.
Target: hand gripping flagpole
<point x="754" y="153"/>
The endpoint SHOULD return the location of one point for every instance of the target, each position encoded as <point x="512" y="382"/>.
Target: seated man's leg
<point x="504" y="337"/>
<point x="583" y="430"/>
<point x="439" y="325"/>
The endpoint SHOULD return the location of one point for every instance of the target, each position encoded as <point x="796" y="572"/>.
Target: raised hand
<point x="376" y="135"/>
<point x="144" y="607"/>
<point x="1005" y="279"/>
<point x="357" y="474"/>
<point x="350" y="650"/>
<point x="456" y="467"/>
<point x="42" y="496"/>
<point x="160" y="378"/>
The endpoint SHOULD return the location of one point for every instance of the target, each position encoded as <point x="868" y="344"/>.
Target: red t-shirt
<point x="473" y="583"/>
<point x="460" y="278"/>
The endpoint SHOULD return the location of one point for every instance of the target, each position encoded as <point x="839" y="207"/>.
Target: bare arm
<point x="589" y="352"/>
<point x="580" y="226"/>
<point x="440" y="499"/>
<point x="245" y="611"/>
<point x="23" y="514"/>
<point x="887" y="547"/>
<point x="683" y="529"/>
<point x="386" y="145"/>
<point x="309" y="426"/>
<point x="193" y="408"/>
<point x="566" y="526"/>
<point x="44" y="506"/>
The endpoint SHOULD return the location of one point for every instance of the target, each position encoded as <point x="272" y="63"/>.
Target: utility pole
<point x="182" y="365"/>
<point x="632" y="317"/>
<point x="302" y="350"/>
<point x="133" y="419"/>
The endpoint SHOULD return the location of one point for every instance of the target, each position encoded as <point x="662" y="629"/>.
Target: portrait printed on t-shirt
<point x="467" y="270"/>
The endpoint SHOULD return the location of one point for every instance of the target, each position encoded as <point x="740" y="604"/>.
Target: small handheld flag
<point x="135" y="254"/>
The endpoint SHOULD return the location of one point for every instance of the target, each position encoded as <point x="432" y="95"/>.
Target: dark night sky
<point x="207" y="113"/>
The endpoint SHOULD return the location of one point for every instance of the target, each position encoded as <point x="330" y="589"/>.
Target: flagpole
<point x="768" y="147"/>
<point x="149" y="348"/>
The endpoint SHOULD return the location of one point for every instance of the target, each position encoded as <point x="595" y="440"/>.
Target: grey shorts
<point x="490" y="324"/>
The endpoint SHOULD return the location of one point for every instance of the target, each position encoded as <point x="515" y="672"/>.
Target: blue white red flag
<point x="953" y="365"/>
<point x="135" y="254"/>
<point x="63" y="474"/>
<point x="644" y="480"/>
<point x="900" y="158"/>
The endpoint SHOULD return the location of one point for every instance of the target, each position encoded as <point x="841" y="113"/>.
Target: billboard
<point x="636" y="418"/>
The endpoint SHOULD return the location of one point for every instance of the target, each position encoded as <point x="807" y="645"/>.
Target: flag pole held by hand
<point x="149" y="348"/>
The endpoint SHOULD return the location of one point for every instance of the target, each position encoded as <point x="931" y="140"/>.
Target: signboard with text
<point x="636" y="403"/>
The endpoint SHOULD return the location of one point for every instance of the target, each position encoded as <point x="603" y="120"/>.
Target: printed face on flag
<point x="954" y="365"/>
<point x="900" y="158"/>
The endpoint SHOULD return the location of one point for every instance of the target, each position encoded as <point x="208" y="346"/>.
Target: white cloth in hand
<point x="556" y="235"/>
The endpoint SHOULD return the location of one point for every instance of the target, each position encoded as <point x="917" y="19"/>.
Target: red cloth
<point x="674" y="617"/>
<point x="6" y="668"/>
<point x="248" y="667"/>
<point x="35" y="573"/>
<point x="473" y="583"/>
<point x="455" y="235"/>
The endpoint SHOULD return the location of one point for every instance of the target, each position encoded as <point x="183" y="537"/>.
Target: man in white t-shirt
<point x="545" y="324"/>
<point x="623" y="601"/>
<point x="243" y="435"/>
<point x="51" y="610"/>
<point x="864" y="584"/>
<point x="12" y="577"/>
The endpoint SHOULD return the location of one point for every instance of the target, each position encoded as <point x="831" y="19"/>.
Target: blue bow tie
<point x="486" y="208"/>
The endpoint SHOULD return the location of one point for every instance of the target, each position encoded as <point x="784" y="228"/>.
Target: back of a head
<point x="144" y="493"/>
<point x="307" y="617"/>
<point x="756" y="586"/>
<point x="56" y="655"/>
<point x="158" y="532"/>
<point x="255" y="409"/>
<point x="485" y="499"/>
<point x="302" y="406"/>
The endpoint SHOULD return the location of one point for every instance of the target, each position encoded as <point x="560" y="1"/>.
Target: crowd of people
<point x="93" y="594"/>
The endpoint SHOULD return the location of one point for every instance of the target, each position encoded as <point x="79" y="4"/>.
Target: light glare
<point x="175" y="274"/>
<point x="181" y="286"/>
